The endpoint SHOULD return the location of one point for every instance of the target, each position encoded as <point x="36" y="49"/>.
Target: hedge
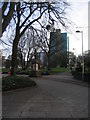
<point x="15" y="82"/>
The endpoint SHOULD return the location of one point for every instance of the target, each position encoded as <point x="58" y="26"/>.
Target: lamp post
<point x="75" y="56"/>
<point x="82" y="54"/>
<point x="74" y="49"/>
<point x="68" y="52"/>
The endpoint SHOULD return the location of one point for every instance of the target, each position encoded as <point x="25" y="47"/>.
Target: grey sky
<point x="79" y="15"/>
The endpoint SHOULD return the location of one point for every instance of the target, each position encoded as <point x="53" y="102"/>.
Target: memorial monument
<point x="35" y="68"/>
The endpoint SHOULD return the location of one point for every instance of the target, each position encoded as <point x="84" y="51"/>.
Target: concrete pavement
<point x="33" y="103"/>
<point x="66" y="78"/>
<point x="50" y="99"/>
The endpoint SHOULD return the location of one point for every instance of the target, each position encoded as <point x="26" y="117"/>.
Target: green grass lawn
<point x="58" y="70"/>
<point x="5" y="70"/>
<point x="27" y="71"/>
<point x="55" y="70"/>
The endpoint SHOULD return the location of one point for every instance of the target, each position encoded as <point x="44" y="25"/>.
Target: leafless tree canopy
<point x="31" y="12"/>
<point x="24" y="14"/>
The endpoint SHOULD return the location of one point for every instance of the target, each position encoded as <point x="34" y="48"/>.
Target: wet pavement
<point x="51" y="98"/>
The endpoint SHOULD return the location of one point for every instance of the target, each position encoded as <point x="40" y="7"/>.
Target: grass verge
<point x="42" y="70"/>
<point x="15" y="82"/>
<point x="59" y="70"/>
<point x="55" y="70"/>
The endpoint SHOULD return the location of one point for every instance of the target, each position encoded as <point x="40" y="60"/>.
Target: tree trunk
<point x="14" y="51"/>
<point x="21" y="59"/>
<point x="28" y="64"/>
<point x="15" y="43"/>
<point x="14" y="55"/>
<point x="48" y="62"/>
<point x="24" y="63"/>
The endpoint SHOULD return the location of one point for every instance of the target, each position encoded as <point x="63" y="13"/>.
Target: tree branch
<point x="32" y="23"/>
<point x="8" y="17"/>
<point x="28" y="17"/>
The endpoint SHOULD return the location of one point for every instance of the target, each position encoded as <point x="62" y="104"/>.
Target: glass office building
<point x="58" y="48"/>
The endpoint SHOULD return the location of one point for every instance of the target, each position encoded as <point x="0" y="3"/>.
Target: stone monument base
<point x="34" y="73"/>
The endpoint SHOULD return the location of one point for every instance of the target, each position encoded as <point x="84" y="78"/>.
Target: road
<point x="75" y="95"/>
<point x="50" y="99"/>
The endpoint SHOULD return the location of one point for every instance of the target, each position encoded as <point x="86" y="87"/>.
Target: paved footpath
<point x="54" y="97"/>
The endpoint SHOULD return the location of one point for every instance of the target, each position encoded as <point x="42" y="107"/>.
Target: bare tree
<point x="21" y="51"/>
<point x="26" y="14"/>
<point x="26" y="47"/>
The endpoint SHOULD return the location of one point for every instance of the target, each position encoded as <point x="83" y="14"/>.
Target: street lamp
<point x="82" y="54"/>
<point x="74" y="50"/>
<point x="75" y="56"/>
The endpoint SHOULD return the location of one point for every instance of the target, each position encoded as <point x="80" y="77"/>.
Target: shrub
<point x="87" y="76"/>
<point x="14" y="82"/>
<point x="24" y="72"/>
<point x="78" y="75"/>
<point x="18" y="71"/>
<point x="73" y="72"/>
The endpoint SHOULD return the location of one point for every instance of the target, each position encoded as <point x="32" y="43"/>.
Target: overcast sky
<point x="79" y="15"/>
